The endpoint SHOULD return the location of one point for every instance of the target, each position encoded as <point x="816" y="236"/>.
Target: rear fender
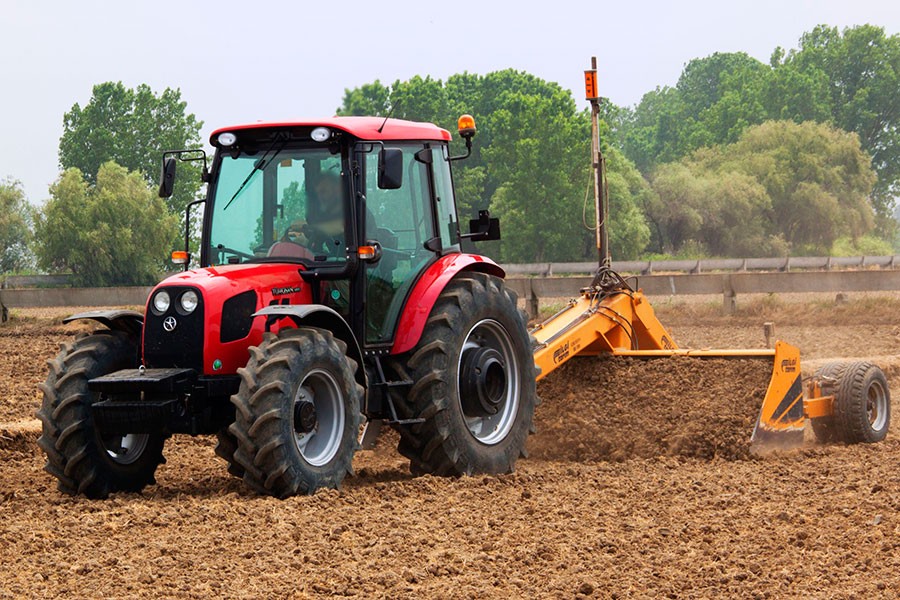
<point x="320" y="317"/>
<point x="427" y="289"/>
<point x="129" y="321"/>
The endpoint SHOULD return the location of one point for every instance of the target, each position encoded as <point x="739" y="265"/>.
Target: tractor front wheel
<point x="474" y="382"/>
<point x="297" y="414"/>
<point x="83" y="459"/>
<point x="226" y="446"/>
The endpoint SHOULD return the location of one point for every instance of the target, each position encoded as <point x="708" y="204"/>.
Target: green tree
<point x="132" y="127"/>
<point x="719" y="214"/>
<point x="847" y="79"/>
<point x="535" y="156"/>
<point x="818" y="177"/>
<point x="651" y="134"/>
<point x="860" y="70"/>
<point x="629" y="192"/>
<point x="15" y="227"/>
<point x="715" y="99"/>
<point x="369" y="100"/>
<point x="115" y="231"/>
<point x="781" y="187"/>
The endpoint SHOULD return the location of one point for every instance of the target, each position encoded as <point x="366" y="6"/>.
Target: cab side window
<point x="445" y="206"/>
<point x="401" y="221"/>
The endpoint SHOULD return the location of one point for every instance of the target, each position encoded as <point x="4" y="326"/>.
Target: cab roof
<point x="364" y="128"/>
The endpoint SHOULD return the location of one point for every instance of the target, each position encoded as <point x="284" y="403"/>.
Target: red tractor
<point x="331" y="292"/>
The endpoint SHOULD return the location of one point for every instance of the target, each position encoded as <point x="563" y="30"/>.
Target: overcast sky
<point x="261" y="60"/>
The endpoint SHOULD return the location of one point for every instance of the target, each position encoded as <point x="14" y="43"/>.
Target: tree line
<point x="739" y="158"/>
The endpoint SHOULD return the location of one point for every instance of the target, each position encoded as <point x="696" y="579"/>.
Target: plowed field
<point x="638" y="484"/>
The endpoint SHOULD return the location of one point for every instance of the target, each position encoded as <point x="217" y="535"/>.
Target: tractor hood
<point x="224" y="281"/>
<point x="213" y="337"/>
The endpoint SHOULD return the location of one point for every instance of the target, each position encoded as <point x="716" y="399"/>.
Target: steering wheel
<point x="224" y="249"/>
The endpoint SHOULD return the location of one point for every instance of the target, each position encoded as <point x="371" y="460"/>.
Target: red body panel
<point x="218" y="284"/>
<point x="364" y="128"/>
<point x="426" y="291"/>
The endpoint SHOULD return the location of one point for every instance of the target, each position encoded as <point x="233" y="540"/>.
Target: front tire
<point x="474" y="382"/>
<point x="226" y="446"/>
<point x="297" y="413"/>
<point x="82" y="459"/>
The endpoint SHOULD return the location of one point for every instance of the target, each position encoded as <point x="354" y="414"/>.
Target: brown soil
<point x="627" y="493"/>
<point x="25" y="347"/>
<point x="600" y="408"/>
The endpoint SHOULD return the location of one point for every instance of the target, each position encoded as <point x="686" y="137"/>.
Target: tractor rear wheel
<point x="297" y="413"/>
<point x="862" y="404"/>
<point x="474" y="382"/>
<point x="84" y="460"/>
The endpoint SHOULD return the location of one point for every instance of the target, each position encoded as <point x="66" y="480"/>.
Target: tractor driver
<point x="321" y="236"/>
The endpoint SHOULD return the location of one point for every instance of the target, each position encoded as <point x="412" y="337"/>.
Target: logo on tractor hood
<point x="281" y="291"/>
<point x="170" y="324"/>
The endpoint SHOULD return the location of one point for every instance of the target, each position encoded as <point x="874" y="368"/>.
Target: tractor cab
<point x="361" y="206"/>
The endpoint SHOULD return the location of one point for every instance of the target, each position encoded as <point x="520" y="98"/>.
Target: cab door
<point x="402" y="221"/>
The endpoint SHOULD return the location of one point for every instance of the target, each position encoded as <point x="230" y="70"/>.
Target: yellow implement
<point x="611" y="318"/>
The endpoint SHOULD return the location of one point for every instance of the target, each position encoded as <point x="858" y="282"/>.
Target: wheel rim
<point x="876" y="406"/>
<point x="504" y="386"/>
<point x="321" y="444"/>
<point x="126" y="449"/>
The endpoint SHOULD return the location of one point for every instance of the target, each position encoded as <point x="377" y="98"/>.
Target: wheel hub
<point x="305" y="419"/>
<point x="482" y="381"/>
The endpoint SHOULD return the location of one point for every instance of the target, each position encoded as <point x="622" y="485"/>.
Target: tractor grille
<point x="236" y="320"/>
<point x="182" y="346"/>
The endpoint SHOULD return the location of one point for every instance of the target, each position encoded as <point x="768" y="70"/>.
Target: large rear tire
<point x="82" y="459"/>
<point x="297" y="413"/>
<point x="474" y="382"/>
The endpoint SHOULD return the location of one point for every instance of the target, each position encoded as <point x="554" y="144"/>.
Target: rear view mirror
<point x="390" y="169"/>
<point x="167" y="179"/>
<point x="484" y="228"/>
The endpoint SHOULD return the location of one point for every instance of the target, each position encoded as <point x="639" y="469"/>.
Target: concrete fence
<point x="728" y="285"/>
<point x="52" y="297"/>
<point x="706" y="265"/>
<point x="533" y="289"/>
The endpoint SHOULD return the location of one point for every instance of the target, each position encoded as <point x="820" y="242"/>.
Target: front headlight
<point x="161" y="301"/>
<point x="189" y="301"/>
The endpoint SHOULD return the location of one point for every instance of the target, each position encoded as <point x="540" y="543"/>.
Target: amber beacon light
<point x="466" y="126"/>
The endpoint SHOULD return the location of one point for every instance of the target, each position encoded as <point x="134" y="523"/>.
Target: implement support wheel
<point x="862" y="403"/>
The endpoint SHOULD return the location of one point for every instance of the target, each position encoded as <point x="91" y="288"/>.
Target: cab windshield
<point x="281" y="204"/>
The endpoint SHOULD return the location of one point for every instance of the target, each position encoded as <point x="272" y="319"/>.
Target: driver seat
<point x="289" y="250"/>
